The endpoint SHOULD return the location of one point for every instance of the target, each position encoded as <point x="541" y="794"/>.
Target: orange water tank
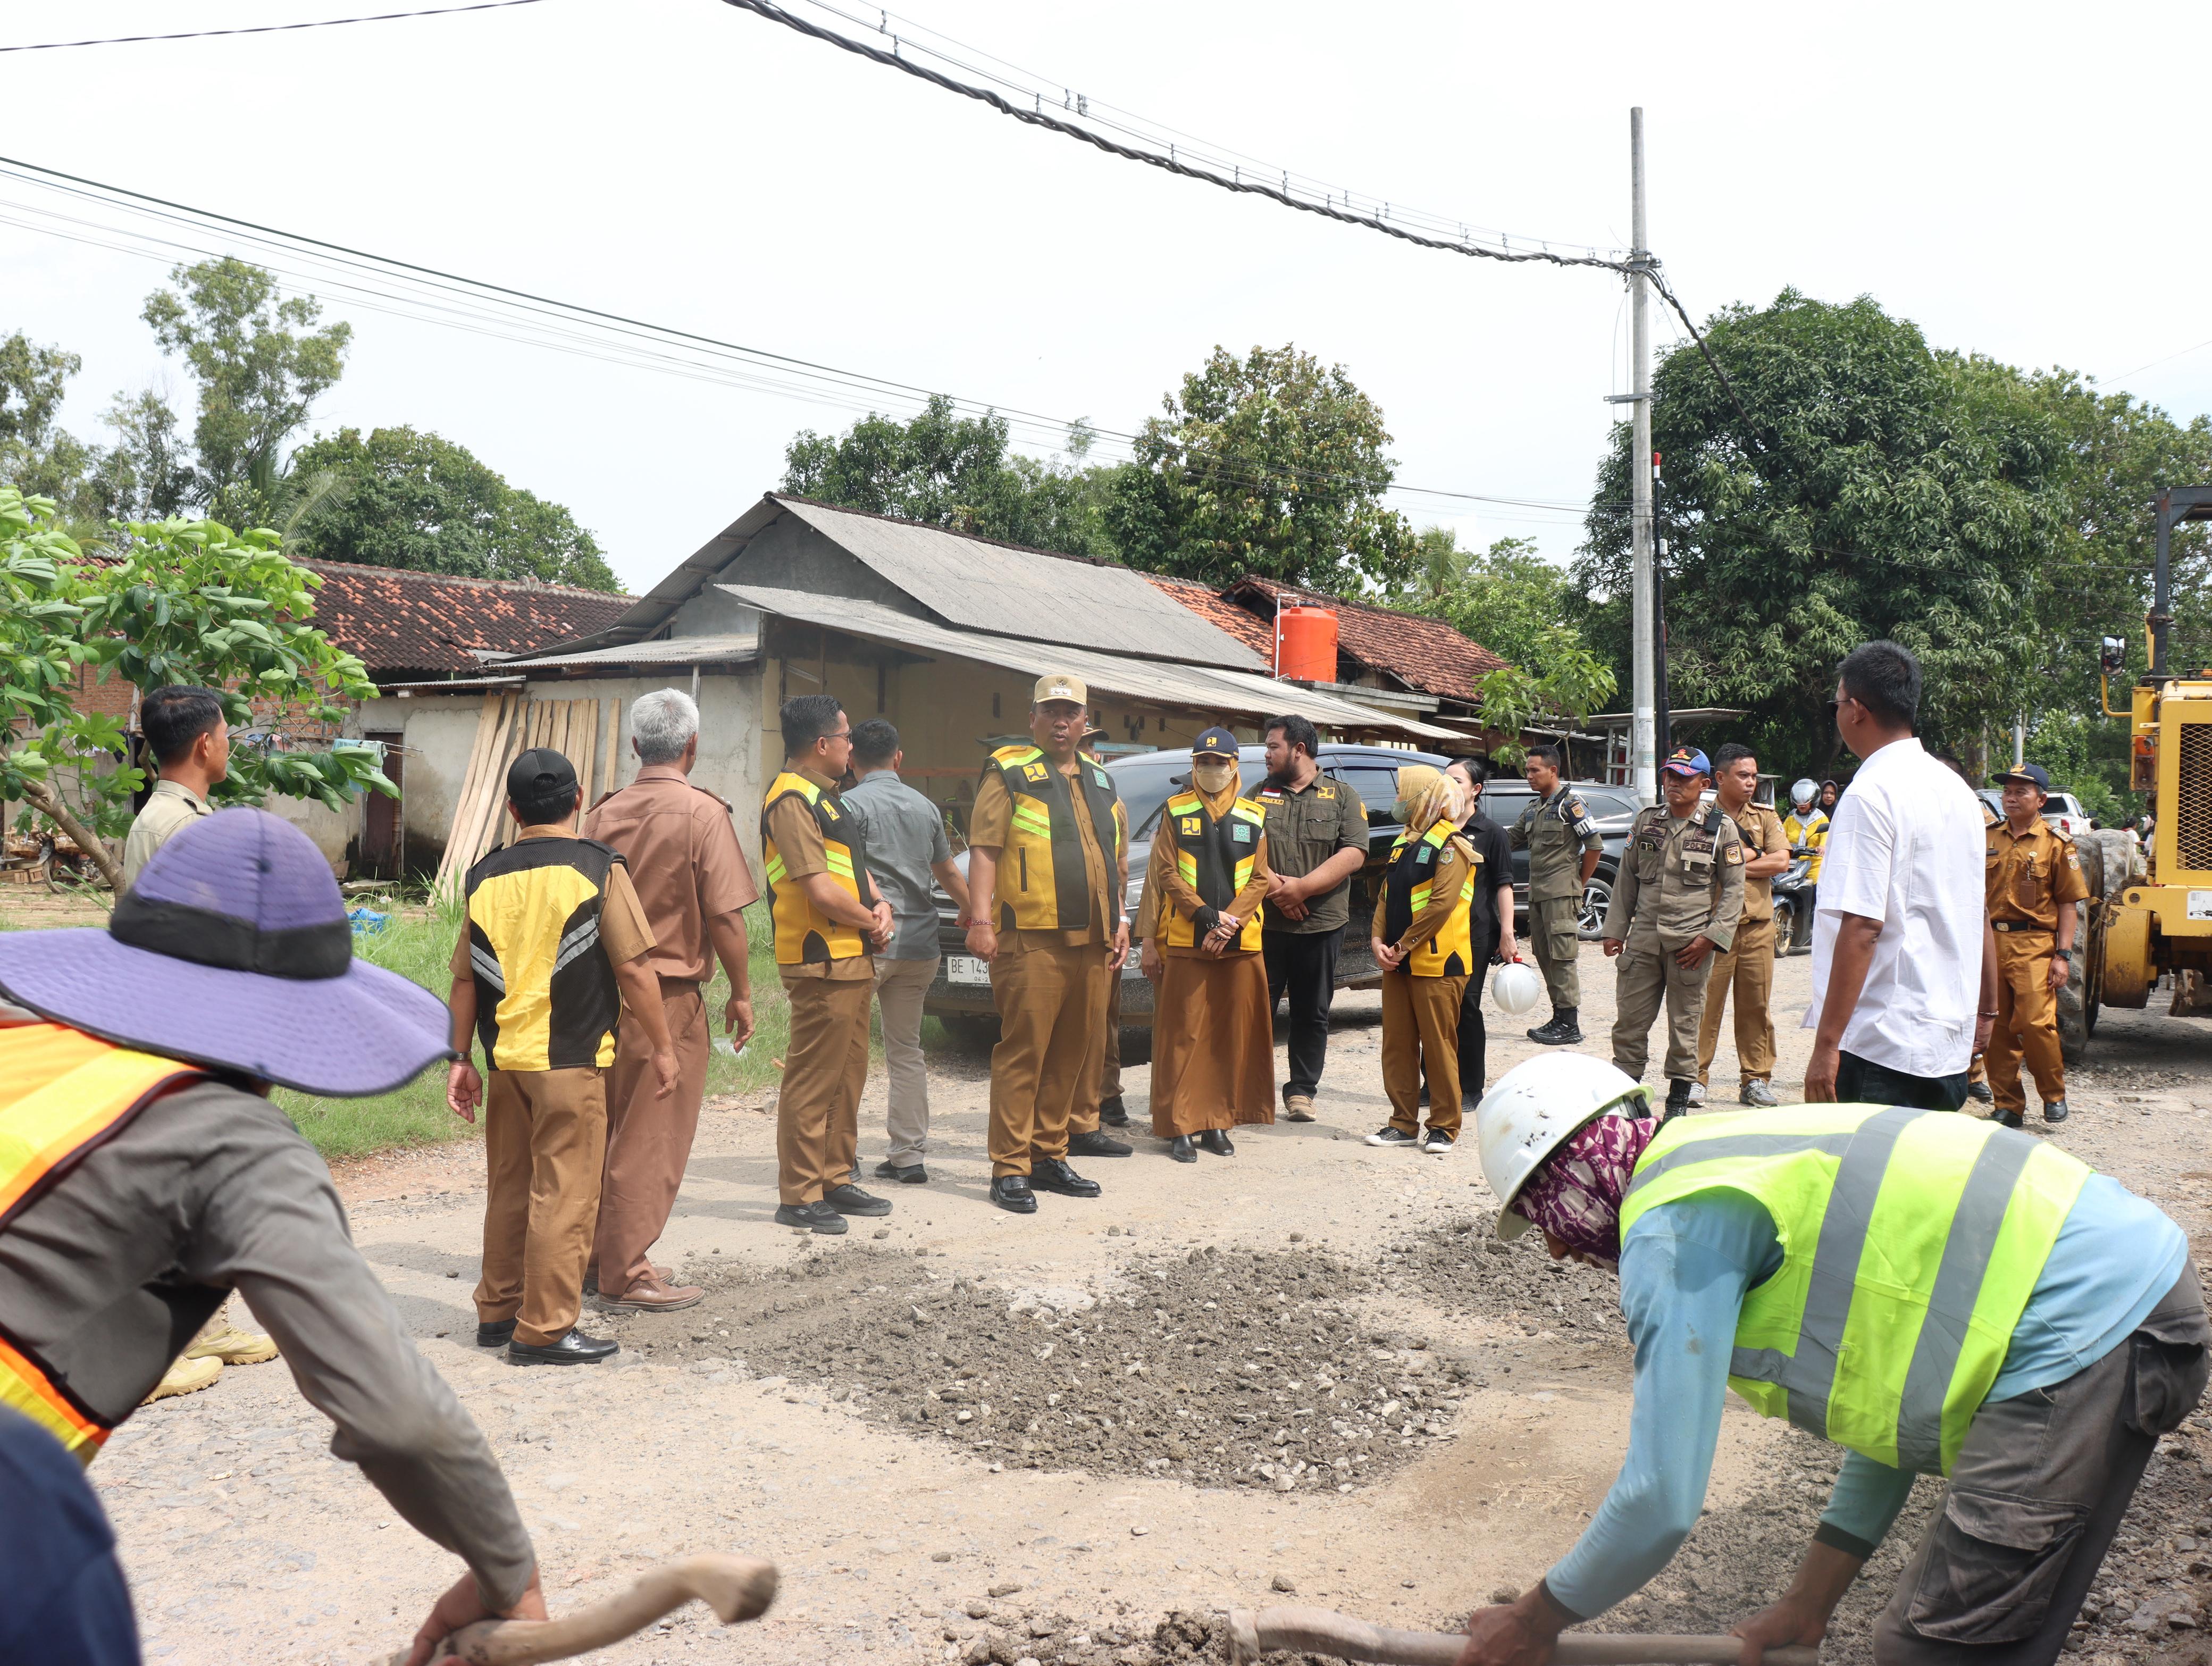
<point x="1305" y="644"/>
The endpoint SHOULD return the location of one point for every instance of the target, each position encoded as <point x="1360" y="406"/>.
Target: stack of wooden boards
<point x="582" y="731"/>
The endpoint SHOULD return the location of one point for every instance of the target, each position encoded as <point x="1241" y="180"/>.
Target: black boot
<point x="1678" y="1102"/>
<point x="1217" y="1142"/>
<point x="1562" y="1031"/>
<point x="1181" y="1150"/>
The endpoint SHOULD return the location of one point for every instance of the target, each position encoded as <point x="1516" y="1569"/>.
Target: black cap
<point x="1217" y="740"/>
<point x="538" y="774"/>
<point x="2032" y="775"/>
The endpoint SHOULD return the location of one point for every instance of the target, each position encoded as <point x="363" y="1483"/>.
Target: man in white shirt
<point x="1903" y="969"/>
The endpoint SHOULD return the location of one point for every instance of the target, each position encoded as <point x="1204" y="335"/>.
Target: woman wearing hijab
<point x="1213" y="1055"/>
<point x="1423" y="938"/>
<point x="1937" y="1294"/>
<point x="1831" y="790"/>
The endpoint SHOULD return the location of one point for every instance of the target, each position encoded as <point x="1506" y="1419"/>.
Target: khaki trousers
<point x="818" y="1111"/>
<point x="1648" y="976"/>
<point x="1052" y="1029"/>
<point x="649" y="1137"/>
<point x="1747" y="967"/>
<point x="545" y="1141"/>
<point x="1420" y="1031"/>
<point x="1555" y="936"/>
<point x="2027" y="1024"/>
<point x="900" y="987"/>
<point x="1084" y="1119"/>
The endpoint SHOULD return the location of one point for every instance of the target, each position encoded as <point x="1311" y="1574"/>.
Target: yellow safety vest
<point x="1811" y="831"/>
<point x="1406" y="884"/>
<point x="1215" y="860"/>
<point x="1911" y="1242"/>
<point x="1042" y="885"/>
<point x="804" y="933"/>
<point x="61" y="1093"/>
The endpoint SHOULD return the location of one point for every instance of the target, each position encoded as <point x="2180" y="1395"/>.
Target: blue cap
<point x="1218" y="741"/>
<point x="2032" y="775"/>
<point x="1688" y="761"/>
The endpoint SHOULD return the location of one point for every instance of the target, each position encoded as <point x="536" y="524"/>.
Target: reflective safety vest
<point x="1812" y="832"/>
<point x="1450" y="952"/>
<point x="1042" y="885"/>
<point x="1911" y="1242"/>
<point x="804" y="935"/>
<point x="1215" y="860"/>
<point x="61" y="1093"/>
<point x="546" y="997"/>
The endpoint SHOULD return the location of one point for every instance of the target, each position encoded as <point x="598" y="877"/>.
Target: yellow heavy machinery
<point x="2151" y="917"/>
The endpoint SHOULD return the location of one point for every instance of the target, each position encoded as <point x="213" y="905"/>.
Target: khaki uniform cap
<point x="1058" y="685"/>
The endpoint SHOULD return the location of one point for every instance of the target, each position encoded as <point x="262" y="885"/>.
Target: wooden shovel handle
<point x="736" y="1587"/>
<point x="1323" y="1632"/>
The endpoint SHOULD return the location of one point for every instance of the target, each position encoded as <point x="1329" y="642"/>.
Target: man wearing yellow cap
<point x="1044" y="844"/>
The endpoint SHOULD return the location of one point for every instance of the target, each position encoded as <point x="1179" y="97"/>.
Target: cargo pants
<point x="1555" y="937"/>
<point x="1648" y="975"/>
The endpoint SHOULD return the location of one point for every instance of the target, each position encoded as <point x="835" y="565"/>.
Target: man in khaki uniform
<point x="1044" y="846"/>
<point x="2035" y="887"/>
<point x="189" y="739"/>
<point x="693" y="883"/>
<point x="1562" y="846"/>
<point x="1747" y="966"/>
<point x="1677" y="899"/>
<point x="828" y="920"/>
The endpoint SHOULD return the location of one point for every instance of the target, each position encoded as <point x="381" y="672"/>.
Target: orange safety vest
<point x="61" y="1093"/>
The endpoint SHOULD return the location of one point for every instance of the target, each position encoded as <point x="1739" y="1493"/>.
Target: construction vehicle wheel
<point x="2107" y="859"/>
<point x="2075" y="1021"/>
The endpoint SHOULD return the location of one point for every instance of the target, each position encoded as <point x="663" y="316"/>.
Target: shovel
<point x="1323" y="1632"/>
<point x="736" y="1587"/>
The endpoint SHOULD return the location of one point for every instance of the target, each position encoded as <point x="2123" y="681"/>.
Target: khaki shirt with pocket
<point x="2031" y="874"/>
<point x="1306" y="826"/>
<point x="1680" y="878"/>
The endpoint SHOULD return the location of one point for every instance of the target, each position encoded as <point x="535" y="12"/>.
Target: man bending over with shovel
<point x="1938" y="1294"/>
<point x="145" y="1176"/>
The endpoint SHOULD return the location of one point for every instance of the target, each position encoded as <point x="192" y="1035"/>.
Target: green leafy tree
<point x="185" y="601"/>
<point x="36" y="451"/>
<point x="146" y="474"/>
<point x="260" y="364"/>
<point x="1559" y="679"/>
<point x="945" y="470"/>
<point x="1509" y="599"/>
<point x="1271" y="465"/>
<point x="401" y="497"/>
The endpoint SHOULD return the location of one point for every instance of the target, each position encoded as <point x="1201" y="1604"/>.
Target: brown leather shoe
<point x="592" y="1276"/>
<point x="651" y="1294"/>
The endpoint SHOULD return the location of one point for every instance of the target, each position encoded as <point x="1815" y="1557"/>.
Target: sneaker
<point x="1697" y="1094"/>
<point x="185" y="1376"/>
<point x="1095" y="1144"/>
<point x="1297" y="1108"/>
<point x="1980" y="1093"/>
<point x="850" y="1200"/>
<point x="1437" y="1143"/>
<point x="810" y="1217"/>
<point x="251" y="1347"/>
<point x="1392" y="1135"/>
<point x="2055" y="1111"/>
<point x="1756" y="1092"/>
<point x="1562" y="1031"/>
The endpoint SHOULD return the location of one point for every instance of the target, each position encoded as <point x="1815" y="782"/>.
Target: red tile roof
<point x="1421" y="654"/>
<point x="405" y="623"/>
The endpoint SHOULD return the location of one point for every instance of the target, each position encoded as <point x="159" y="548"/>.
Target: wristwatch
<point x="2062" y="954"/>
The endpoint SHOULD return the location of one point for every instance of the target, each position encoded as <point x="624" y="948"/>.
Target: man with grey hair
<point x="683" y="859"/>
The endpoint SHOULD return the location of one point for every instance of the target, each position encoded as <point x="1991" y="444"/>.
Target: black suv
<point x="962" y="992"/>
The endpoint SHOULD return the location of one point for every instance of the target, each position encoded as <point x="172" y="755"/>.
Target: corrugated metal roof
<point x="1202" y="688"/>
<point x="978" y="585"/>
<point x="678" y="651"/>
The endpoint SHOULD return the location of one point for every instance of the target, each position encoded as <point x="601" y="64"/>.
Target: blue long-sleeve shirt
<point x="1685" y="1267"/>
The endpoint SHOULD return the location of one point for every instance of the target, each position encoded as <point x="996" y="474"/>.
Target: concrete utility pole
<point x="1642" y="755"/>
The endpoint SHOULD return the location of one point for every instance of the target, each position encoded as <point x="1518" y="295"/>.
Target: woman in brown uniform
<point x="1424" y="943"/>
<point x="1213" y="1059"/>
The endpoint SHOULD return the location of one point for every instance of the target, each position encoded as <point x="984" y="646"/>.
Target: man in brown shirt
<point x="1747" y="966"/>
<point x="692" y="880"/>
<point x="2035" y="890"/>
<point x="1045" y="850"/>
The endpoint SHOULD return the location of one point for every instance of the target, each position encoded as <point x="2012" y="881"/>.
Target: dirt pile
<point x="1010" y="1636"/>
<point x="1221" y="1368"/>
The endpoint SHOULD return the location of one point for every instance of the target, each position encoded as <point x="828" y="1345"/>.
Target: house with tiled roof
<point x="410" y="628"/>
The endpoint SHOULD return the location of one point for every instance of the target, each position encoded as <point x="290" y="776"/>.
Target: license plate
<point x="966" y="969"/>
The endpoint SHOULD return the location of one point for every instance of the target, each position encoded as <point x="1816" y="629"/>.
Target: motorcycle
<point x="1793" y="895"/>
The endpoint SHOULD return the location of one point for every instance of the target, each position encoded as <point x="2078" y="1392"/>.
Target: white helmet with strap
<point x="1535" y="1106"/>
<point x="1803" y="791"/>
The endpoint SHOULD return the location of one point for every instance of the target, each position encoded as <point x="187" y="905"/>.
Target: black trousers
<point x="1862" y="1082"/>
<point x="1474" y="1035"/>
<point x="1303" y="965"/>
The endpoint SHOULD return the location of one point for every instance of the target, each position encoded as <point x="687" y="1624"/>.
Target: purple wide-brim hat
<point x="233" y="950"/>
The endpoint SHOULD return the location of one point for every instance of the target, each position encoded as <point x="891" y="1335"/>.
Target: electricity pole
<point x="1643" y="755"/>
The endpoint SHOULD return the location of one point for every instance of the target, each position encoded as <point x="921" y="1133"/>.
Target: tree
<point x="944" y="470"/>
<point x="260" y="366"/>
<point x="186" y="602"/>
<point x="1508" y="598"/>
<point x="1878" y="489"/>
<point x="401" y="497"/>
<point x="147" y="475"/>
<point x="1272" y="466"/>
<point x="35" y="453"/>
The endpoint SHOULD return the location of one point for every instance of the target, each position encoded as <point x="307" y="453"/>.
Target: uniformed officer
<point x="1563" y="846"/>
<point x="1316" y="842"/>
<point x="1678" y="898"/>
<point x="2034" y="885"/>
<point x="1044" y="846"/>
<point x="1747" y="966"/>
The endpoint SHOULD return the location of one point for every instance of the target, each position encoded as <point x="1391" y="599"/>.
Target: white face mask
<point x="1213" y="777"/>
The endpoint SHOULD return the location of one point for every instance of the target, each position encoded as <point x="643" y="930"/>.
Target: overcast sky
<point x="2018" y="179"/>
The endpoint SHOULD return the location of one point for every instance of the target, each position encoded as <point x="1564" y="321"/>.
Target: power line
<point x="267" y="29"/>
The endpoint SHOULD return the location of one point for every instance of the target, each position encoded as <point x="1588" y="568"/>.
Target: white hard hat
<point x="1515" y="986"/>
<point x="1801" y="791"/>
<point x="1535" y="1105"/>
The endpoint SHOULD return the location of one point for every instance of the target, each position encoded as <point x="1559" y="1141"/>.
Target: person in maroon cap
<point x="152" y="1178"/>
